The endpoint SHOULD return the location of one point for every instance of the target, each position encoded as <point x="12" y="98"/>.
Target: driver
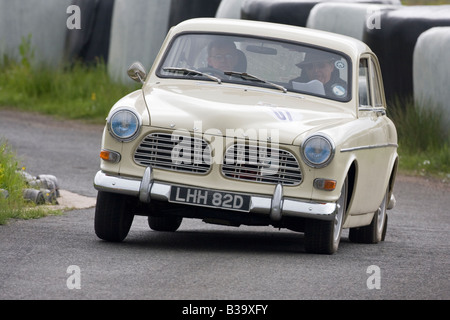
<point x="222" y="55"/>
<point x="322" y="66"/>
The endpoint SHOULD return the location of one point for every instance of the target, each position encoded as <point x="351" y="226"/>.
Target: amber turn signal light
<point x="325" y="184"/>
<point x="110" y="156"/>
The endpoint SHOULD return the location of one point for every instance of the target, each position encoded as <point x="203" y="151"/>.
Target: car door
<point x="372" y="154"/>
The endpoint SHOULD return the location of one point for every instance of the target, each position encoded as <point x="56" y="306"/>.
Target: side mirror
<point x="137" y="72"/>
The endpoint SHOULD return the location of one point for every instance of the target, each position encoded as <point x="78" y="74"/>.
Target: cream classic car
<point x="252" y="123"/>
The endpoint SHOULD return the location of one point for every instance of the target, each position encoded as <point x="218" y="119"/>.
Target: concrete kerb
<point x="72" y="201"/>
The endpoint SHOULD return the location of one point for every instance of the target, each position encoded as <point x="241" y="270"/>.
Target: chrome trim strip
<point x="370" y="147"/>
<point x="261" y="205"/>
<point x="376" y="109"/>
<point x="274" y="206"/>
<point x="392" y="202"/>
<point x="304" y="209"/>
<point x="146" y="185"/>
<point x="275" y="211"/>
<point x="116" y="184"/>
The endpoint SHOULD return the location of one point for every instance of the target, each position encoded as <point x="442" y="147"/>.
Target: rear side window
<point x="377" y="93"/>
<point x="365" y="99"/>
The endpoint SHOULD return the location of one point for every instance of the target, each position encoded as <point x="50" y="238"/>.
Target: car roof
<point x="351" y="46"/>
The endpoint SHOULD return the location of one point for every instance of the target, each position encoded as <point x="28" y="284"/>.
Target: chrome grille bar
<point x="261" y="164"/>
<point x="241" y="161"/>
<point x="174" y="152"/>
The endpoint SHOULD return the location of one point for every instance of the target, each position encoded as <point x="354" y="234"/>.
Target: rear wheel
<point x="113" y="216"/>
<point x="167" y="223"/>
<point x="376" y="231"/>
<point x="324" y="236"/>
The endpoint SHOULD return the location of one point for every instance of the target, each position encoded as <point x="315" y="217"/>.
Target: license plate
<point x="210" y="198"/>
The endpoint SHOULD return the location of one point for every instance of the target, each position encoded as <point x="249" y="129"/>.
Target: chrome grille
<point x="174" y="152"/>
<point x="261" y="164"/>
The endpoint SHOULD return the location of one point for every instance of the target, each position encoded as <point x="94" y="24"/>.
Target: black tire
<point x="167" y="223"/>
<point x="324" y="236"/>
<point x="113" y="216"/>
<point x="376" y="231"/>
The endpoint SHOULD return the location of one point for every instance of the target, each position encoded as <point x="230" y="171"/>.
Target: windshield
<point x="286" y="66"/>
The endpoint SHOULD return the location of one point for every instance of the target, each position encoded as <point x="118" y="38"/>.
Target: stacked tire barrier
<point x="348" y="19"/>
<point x="41" y="189"/>
<point x="122" y="31"/>
<point x="90" y="43"/>
<point x="230" y="9"/>
<point x="286" y="12"/>
<point x="137" y="32"/>
<point x="292" y="12"/>
<point x="431" y="71"/>
<point x="41" y="22"/>
<point x="115" y="31"/>
<point x="139" y="27"/>
<point x="394" y="43"/>
<point x="196" y="9"/>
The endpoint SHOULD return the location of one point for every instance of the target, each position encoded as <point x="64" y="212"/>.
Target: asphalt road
<point x="59" y="257"/>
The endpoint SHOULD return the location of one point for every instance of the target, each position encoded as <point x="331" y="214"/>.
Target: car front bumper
<point x="275" y="206"/>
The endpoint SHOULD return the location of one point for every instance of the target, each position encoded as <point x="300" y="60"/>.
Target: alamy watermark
<point x="74" y="20"/>
<point x="374" y="280"/>
<point x="254" y="147"/>
<point x="373" y="18"/>
<point x="74" y="280"/>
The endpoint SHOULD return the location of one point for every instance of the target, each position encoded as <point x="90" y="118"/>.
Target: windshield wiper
<point x="247" y="76"/>
<point x="187" y="71"/>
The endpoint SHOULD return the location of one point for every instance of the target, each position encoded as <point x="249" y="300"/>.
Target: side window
<point x="364" y="84"/>
<point x="376" y="86"/>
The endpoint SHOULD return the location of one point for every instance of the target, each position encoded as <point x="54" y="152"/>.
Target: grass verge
<point x="424" y="142"/>
<point x="424" y="2"/>
<point x="88" y="93"/>
<point x="77" y="91"/>
<point x="12" y="184"/>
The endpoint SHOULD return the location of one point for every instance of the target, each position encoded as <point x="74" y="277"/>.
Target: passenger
<point x="321" y="66"/>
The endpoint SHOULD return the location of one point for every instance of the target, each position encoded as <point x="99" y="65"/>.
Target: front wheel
<point x="113" y="217"/>
<point x="324" y="236"/>
<point x="376" y="231"/>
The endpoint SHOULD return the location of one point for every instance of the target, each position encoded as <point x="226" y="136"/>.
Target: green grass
<point x="88" y="93"/>
<point x="80" y="92"/>
<point x="424" y="2"/>
<point x="424" y="146"/>
<point x="11" y="180"/>
<point x="76" y="91"/>
<point x="424" y="143"/>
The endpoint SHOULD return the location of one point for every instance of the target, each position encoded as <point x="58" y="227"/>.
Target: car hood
<point x="240" y="111"/>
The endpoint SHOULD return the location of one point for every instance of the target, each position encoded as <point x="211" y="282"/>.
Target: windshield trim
<point x="348" y="98"/>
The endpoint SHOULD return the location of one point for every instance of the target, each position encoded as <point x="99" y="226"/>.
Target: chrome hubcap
<point x="339" y="217"/>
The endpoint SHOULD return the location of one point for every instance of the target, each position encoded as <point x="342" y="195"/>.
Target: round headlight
<point x="124" y="125"/>
<point x="318" y="151"/>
